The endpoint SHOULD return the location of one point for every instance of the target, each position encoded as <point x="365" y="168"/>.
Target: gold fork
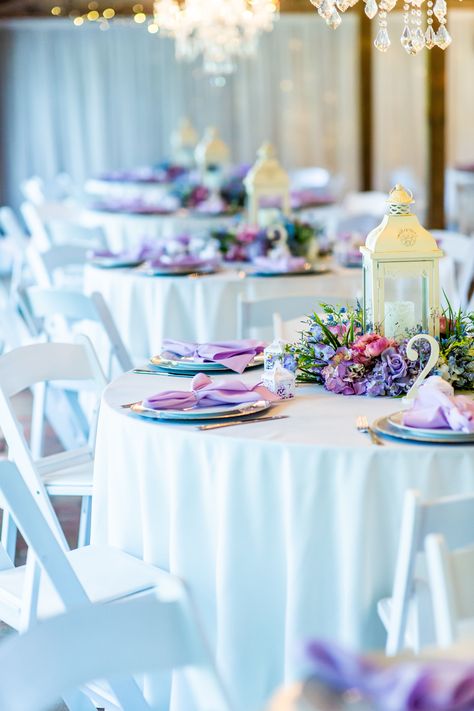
<point x="362" y="425"/>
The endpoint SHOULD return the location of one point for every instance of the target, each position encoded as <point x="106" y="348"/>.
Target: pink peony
<point x="370" y="345"/>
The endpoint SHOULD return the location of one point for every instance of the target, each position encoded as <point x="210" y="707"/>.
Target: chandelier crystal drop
<point x="416" y="35"/>
<point x="221" y="31"/>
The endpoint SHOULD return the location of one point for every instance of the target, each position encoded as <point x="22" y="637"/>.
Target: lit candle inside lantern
<point x="399" y="319"/>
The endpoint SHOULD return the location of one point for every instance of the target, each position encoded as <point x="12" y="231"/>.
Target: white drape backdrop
<point x="82" y="101"/>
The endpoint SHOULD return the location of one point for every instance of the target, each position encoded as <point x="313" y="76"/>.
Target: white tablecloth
<point x="127" y="230"/>
<point x="149" y="309"/>
<point x="284" y="529"/>
<point x="124" y="231"/>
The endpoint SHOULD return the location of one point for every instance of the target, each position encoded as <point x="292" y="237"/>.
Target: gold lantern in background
<point x="401" y="273"/>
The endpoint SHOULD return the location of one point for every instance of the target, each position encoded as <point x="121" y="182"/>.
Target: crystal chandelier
<point x="414" y="37"/>
<point x="219" y="30"/>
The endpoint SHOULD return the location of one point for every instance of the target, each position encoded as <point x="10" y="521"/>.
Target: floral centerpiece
<point x="334" y="351"/>
<point x="244" y="243"/>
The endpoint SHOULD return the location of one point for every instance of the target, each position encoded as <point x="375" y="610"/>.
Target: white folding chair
<point x="148" y="632"/>
<point x="275" y="311"/>
<point x="33" y="189"/>
<point x="18" y="241"/>
<point x="68" y="473"/>
<point x="451" y="576"/>
<point x="407" y="615"/>
<point x="59" y="265"/>
<point x="370" y="202"/>
<point x="61" y="223"/>
<point x="45" y="304"/>
<point x="460" y="249"/>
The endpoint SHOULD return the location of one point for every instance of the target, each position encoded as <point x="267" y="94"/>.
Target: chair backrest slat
<point x="452" y="517"/>
<point x="450" y="574"/>
<point x="255" y="314"/>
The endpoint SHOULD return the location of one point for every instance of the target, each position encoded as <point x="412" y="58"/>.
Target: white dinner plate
<point x="311" y="271"/>
<point x="397" y="421"/>
<point x="217" y="412"/>
<point x="393" y="427"/>
<point x="177" y="271"/>
<point x="189" y="365"/>
<point x="115" y="262"/>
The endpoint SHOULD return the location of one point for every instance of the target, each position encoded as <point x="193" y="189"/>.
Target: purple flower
<point x="395" y="364"/>
<point x="323" y="352"/>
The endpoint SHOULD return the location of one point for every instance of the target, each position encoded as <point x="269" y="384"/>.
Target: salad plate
<point x="392" y="426"/>
<point x="188" y="364"/>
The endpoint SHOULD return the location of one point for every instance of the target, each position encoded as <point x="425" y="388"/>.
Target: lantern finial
<point x="399" y="201"/>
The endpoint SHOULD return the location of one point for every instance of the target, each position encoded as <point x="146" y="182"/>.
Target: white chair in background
<point x="460" y="249"/>
<point x="370" y="202"/>
<point x="254" y="315"/>
<point x="304" y="178"/>
<point x="407" y="615"/>
<point x="451" y="576"/>
<point x="148" y="632"/>
<point x="60" y="223"/>
<point x="68" y="473"/>
<point x="33" y="190"/>
<point x="59" y="265"/>
<point x="18" y="241"/>
<point x="43" y="305"/>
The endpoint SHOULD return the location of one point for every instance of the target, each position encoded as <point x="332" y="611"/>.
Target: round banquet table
<point x="149" y="309"/>
<point x="284" y="529"/>
<point x="127" y="230"/>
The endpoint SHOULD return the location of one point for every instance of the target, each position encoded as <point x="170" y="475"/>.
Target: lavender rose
<point x="394" y="363"/>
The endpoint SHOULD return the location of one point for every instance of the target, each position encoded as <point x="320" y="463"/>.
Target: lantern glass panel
<point x="405" y="304"/>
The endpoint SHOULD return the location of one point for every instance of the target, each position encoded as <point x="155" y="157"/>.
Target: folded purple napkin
<point x="134" y="254"/>
<point x="235" y="355"/>
<point x="282" y="264"/>
<point x="408" y="686"/>
<point x="182" y="260"/>
<point x="207" y="393"/>
<point x="437" y="407"/>
<point x="213" y="205"/>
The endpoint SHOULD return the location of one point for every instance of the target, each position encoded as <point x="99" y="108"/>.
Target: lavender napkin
<point x="280" y="265"/>
<point x="182" y="260"/>
<point x="235" y="355"/>
<point x="437" y="407"/>
<point x="139" y="253"/>
<point x="408" y="686"/>
<point x="207" y="393"/>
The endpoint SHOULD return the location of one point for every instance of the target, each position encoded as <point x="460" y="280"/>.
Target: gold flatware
<point x="241" y="422"/>
<point x="362" y="425"/>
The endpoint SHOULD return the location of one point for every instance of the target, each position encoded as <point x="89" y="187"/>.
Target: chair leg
<point x="9" y="534"/>
<point x="37" y="420"/>
<point x="84" y="535"/>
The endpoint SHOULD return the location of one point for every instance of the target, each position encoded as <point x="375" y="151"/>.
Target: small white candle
<point x="399" y="319"/>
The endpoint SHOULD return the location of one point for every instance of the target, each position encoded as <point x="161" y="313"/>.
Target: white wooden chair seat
<point x="106" y="574"/>
<point x="78" y="477"/>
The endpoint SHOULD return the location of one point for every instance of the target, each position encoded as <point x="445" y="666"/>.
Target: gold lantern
<point x="183" y="142"/>
<point x="401" y="273"/>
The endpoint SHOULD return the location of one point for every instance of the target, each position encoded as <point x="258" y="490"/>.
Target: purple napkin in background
<point x="207" y="393"/>
<point x="213" y="205"/>
<point x="437" y="407"/>
<point x="182" y="260"/>
<point x="139" y="253"/>
<point x="407" y="686"/>
<point x="235" y="355"/>
<point x="280" y="265"/>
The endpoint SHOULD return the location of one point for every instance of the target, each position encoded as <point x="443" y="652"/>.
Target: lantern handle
<point x="413" y="354"/>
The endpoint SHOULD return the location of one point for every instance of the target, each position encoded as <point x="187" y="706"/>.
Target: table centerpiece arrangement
<point x="367" y="350"/>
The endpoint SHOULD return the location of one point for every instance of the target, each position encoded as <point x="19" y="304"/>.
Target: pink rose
<point x="370" y="345"/>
